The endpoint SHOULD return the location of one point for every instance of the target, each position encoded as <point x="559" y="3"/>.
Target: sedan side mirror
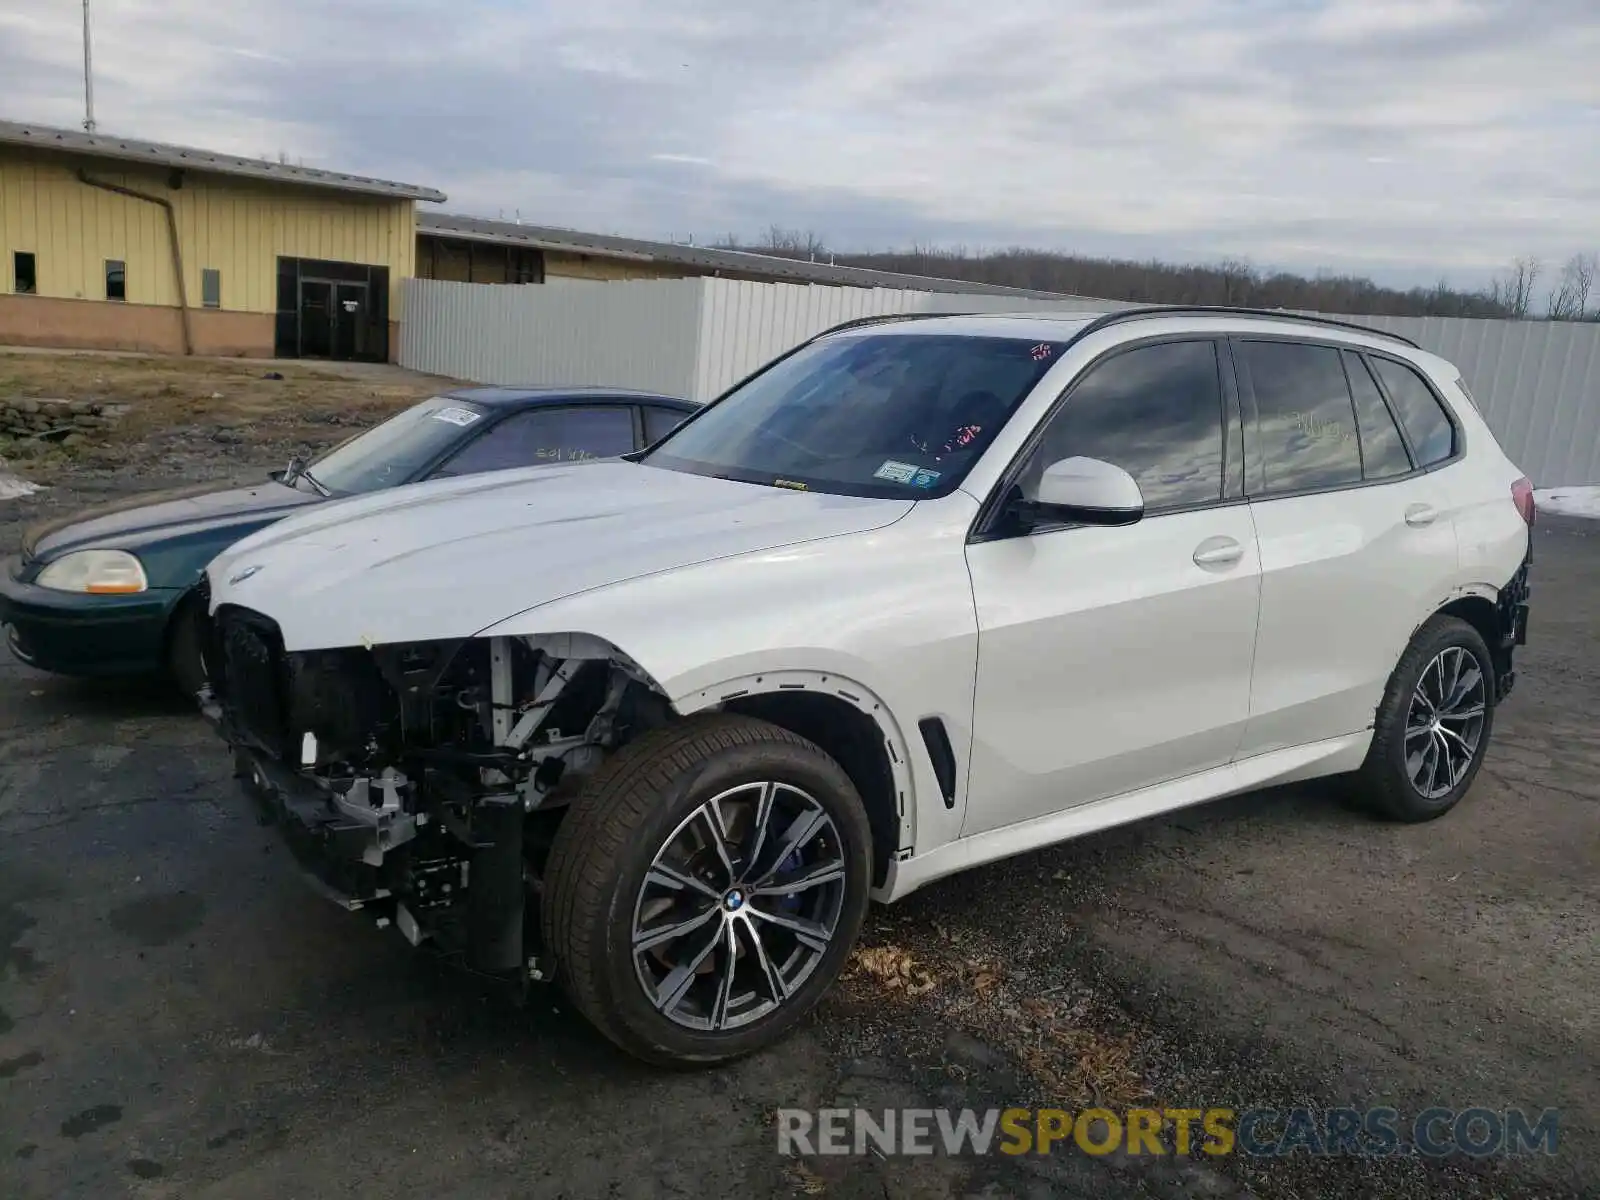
<point x="1085" y="491"/>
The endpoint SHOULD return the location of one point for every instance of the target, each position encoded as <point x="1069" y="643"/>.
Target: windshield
<point x="390" y="454"/>
<point x="884" y="414"/>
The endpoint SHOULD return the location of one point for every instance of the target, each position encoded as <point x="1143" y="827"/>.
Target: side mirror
<point x="1086" y="491"/>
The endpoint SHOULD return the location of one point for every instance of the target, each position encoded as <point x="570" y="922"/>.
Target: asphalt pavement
<point x="181" y="1017"/>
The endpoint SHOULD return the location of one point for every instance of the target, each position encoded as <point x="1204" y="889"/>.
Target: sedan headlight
<point x="95" y="572"/>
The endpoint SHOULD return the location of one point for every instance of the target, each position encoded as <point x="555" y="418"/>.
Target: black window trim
<point x="983" y="528"/>
<point x="1255" y="467"/>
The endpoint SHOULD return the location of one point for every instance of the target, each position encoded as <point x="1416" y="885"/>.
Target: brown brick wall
<point x="109" y="325"/>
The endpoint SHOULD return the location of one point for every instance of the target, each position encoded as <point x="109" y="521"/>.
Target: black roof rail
<point x="1206" y="310"/>
<point x="882" y="318"/>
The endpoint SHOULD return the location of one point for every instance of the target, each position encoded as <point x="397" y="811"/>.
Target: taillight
<point x="1522" y="497"/>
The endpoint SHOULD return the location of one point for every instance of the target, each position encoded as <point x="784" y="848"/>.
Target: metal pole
<point x="88" y="75"/>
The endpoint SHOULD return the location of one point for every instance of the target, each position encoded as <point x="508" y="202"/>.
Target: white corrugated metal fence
<point x="1536" y="382"/>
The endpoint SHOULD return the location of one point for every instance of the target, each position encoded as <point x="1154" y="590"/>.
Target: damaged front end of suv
<point x="422" y="782"/>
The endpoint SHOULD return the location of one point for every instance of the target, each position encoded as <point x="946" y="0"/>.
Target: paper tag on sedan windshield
<point x="456" y="416"/>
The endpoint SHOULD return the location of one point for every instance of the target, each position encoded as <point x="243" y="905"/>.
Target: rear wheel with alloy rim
<point x="706" y="888"/>
<point x="1433" y="725"/>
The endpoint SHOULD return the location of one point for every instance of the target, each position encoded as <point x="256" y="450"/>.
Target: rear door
<point x="1111" y="659"/>
<point x="1356" y="541"/>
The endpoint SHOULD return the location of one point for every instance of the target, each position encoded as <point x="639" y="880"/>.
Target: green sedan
<point x="110" y="591"/>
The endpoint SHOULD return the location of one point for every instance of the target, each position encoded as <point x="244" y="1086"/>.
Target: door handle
<point x="1218" y="552"/>
<point x="1419" y="515"/>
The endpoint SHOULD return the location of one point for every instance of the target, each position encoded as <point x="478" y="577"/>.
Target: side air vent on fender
<point x="941" y="755"/>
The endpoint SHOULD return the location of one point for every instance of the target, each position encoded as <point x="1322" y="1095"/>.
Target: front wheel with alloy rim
<point x="1433" y="725"/>
<point x="706" y="888"/>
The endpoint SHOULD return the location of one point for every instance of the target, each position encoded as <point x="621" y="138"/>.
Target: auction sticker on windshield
<point x="456" y="416"/>
<point x="896" y="472"/>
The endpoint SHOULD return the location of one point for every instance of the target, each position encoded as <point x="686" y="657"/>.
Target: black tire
<point x="185" y="667"/>
<point x="628" y="812"/>
<point x="1385" y="782"/>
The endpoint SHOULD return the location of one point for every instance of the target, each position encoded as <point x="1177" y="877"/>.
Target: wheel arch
<point x="849" y="722"/>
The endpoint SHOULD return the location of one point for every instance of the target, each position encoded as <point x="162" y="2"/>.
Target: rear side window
<point x="1156" y="412"/>
<point x="1432" y="436"/>
<point x="1383" y="450"/>
<point x="547" y="436"/>
<point x="658" y="422"/>
<point x="1305" y="424"/>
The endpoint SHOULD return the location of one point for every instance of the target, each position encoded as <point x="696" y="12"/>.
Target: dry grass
<point x="155" y="395"/>
<point x="1069" y="1048"/>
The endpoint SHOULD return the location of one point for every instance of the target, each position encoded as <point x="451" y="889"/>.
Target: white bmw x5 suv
<point x="921" y="594"/>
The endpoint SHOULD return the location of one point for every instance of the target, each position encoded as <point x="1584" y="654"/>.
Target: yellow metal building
<point x="112" y="243"/>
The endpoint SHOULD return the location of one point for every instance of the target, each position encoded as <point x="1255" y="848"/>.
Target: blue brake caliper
<point x="791" y="902"/>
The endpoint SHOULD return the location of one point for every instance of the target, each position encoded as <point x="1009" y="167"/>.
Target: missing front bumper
<point x="465" y="899"/>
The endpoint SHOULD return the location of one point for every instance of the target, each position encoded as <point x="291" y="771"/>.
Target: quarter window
<point x="1383" y="450"/>
<point x="547" y="436"/>
<point x="1433" y="438"/>
<point x="1305" y="424"/>
<point x="1156" y="412"/>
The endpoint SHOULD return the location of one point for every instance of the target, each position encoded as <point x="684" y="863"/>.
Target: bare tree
<point x="1569" y="299"/>
<point x="1514" y="291"/>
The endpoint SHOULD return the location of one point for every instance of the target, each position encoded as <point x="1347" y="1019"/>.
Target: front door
<point x="349" y="320"/>
<point x="316" y="318"/>
<point x="1111" y="659"/>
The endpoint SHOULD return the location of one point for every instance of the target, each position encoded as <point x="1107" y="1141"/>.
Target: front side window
<point x="1383" y="451"/>
<point x="546" y="437"/>
<point x="903" y="415"/>
<point x="1305" y="426"/>
<point x="392" y="453"/>
<point x="1156" y="412"/>
<point x="1432" y="436"/>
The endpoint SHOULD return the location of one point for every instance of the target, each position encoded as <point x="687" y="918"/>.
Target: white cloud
<point x="1411" y="136"/>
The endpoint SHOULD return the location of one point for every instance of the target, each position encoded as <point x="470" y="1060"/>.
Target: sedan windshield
<point x="390" y="454"/>
<point x="883" y="414"/>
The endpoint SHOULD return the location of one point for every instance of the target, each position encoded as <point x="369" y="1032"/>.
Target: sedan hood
<point x="138" y="520"/>
<point x="449" y="559"/>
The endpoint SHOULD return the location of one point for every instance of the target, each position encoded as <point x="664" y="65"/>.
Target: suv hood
<point x="449" y="559"/>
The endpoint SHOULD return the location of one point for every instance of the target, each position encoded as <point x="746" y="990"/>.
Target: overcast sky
<point x="1399" y="138"/>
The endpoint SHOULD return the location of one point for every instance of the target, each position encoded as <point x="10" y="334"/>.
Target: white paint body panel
<point x="1086" y="677"/>
<point x="1344" y="583"/>
<point x="1109" y="660"/>
<point x="448" y="558"/>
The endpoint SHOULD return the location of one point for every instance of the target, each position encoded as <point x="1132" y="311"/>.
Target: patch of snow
<point x="12" y="486"/>
<point x="1562" y="501"/>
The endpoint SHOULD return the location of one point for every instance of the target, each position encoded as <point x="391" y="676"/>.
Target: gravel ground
<point x="180" y="1016"/>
